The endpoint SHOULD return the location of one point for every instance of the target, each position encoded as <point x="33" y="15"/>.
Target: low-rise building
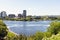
<point x="11" y="16"/>
<point x="52" y="17"/>
<point x="3" y="14"/>
<point x="20" y="15"/>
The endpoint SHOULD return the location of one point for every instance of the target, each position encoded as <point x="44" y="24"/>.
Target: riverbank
<point x="13" y="32"/>
<point x="31" y="19"/>
<point x="54" y="26"/>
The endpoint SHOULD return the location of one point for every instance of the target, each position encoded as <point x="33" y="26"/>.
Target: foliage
<point x="3" y="29"/>
<point x="22" y="37"/>
<point x="55" y="30"/>
<point x="53" y="37"/>
<point x="39" y="36"/>
<point x="54" y="27"/>
<point x="11" y="36"/>
<point x="47" y="34"/>
<point x="53" y="33"/>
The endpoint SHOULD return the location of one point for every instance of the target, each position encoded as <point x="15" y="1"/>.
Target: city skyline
<point x="33" y="7"/>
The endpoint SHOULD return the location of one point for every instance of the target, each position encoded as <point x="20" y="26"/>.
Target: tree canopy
<point x="3" y="29"/>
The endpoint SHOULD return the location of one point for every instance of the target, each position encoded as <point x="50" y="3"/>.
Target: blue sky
<point x="33" y="7"/>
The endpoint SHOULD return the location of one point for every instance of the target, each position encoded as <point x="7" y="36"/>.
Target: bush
<point x="39" y="36"/>
<point x="54" y="27"/>
<point x="11" y="36"/>
<point x="53" y="37"/>
<point x="47" y="34"/>
<point x="3" y="30"/>
<point x="22" y="37"/>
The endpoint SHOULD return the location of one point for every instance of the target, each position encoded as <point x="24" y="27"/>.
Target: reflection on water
<point x="27" y="27"/>
<point x="24" y="28"/>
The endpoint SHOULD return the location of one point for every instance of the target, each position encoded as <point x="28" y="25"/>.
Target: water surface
<point x="27" y="27"/>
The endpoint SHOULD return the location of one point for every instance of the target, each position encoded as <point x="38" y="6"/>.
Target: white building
<point x="3" y="14"/>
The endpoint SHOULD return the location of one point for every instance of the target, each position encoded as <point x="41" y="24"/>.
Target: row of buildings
<point x="3" y="14"/>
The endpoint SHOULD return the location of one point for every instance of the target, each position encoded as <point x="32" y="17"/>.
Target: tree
<point x="22" y="37"/>
<point x="39" y="36"/>
<point x="54" y="27"/>
<point x="3" y="30"/>
<point x="53" y="37"/>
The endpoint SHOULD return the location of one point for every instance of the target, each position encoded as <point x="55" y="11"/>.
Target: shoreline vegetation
<point x="13" y="32"/>
<point x="52" y="33"/>
<point x="22" y="19"/>
<point x="33" y="18"/>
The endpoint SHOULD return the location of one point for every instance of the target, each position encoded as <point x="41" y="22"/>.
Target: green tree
<point x="3" y="30"/>
<point x="22" y="37"/>
<point x="53" y="37"/>
<point x="54" y="27"/>
<point x="39" y="36"/>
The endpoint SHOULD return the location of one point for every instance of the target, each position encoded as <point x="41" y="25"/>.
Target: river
<point x="27" y="27"/>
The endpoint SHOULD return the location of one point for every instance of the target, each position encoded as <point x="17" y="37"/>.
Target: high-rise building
<point x="24" y="13"/>
<point x="3" y="14"/>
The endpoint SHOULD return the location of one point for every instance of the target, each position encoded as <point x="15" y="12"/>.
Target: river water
<point x="27" y="27"/>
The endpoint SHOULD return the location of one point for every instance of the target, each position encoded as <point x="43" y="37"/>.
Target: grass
<point x="10" y="34"/>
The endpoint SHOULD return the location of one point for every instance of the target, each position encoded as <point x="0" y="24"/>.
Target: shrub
<point x="53" y="37"/>
<point x="39" y="36"/>
<point x="3" y="30"/>
<point x="54" y="27"/>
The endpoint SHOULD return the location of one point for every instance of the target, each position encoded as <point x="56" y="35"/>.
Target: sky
<point x="33" y="7"/>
